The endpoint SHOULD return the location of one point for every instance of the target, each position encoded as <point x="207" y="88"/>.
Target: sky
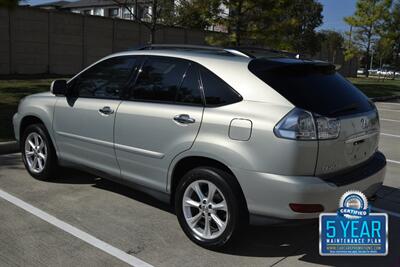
<point x="334" y="11"/>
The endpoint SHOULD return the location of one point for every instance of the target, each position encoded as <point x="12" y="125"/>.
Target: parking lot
<point x="82" y="220"/>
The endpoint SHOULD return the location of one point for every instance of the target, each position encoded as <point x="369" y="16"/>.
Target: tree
<point x="154" y="14"/>
<point x="306" y="16"/>
<point x="332" y="42"/>
<point x="351" y="50"/>
<point x="280" y="24"/>
<point x="197" y="14"/>
<point x="239" y="16"/>
<point x="157" y="14"/>
<point x="367" y="23"/>
<point x="391" y="37"/>
<point x="9" y="3"/>
<point x="383" y="49"/>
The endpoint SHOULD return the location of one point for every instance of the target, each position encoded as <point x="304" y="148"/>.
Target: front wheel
<point x="208" y="207"/>
<point x="38" y="153"/>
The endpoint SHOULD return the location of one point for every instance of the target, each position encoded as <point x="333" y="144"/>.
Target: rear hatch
<point x="316" y="87"/>
<point x="357" y="142"/>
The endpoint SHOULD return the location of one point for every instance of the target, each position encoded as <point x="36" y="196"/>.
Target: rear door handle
<point x="106" y="110"/>
<point x="184" y="118"/>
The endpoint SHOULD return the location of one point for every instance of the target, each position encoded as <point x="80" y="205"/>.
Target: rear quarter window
<point x="216" y="91"/>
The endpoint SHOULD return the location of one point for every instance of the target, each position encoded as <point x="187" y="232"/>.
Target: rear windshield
<point x="313" y="87"/>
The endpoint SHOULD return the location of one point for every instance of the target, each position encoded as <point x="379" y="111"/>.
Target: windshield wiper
<point x="351" y="107"/>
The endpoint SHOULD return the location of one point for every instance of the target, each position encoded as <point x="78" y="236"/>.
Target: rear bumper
<point x="269" y="195"/>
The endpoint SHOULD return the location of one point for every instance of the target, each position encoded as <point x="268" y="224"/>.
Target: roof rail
<point x="192" y="47"/>
<point x="242" y="51"/>
<point x="255" y="51"/>
<point x="180" y="46"/>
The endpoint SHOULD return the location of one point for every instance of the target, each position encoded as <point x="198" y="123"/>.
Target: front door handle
<point x="184" y="118"/>
<point x="106" y="111"/>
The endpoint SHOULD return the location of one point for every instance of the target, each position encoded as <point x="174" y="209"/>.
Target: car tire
<point x="225" y="211"/>
<point x="38" y="153"/>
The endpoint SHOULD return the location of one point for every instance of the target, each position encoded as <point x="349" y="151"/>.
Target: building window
<point x="127" y="12"/>
<point x="113" y="12"/>
<point x="145" y="13"/>
<point x="87" y="12"/>
<point x="98" y="12"/>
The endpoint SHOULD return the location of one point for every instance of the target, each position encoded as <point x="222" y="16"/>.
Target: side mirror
<point x="58" y="87"/>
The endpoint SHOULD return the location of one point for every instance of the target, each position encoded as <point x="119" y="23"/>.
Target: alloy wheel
<point x="205" y="209"/>
<point x="35" y="152"/>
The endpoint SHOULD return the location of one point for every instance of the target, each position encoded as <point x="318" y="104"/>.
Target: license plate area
<point x="361" y="147"/>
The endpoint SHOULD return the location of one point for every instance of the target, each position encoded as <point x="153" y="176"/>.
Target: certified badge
<point x="353" y="230"/>
<point x="353" y="205"/>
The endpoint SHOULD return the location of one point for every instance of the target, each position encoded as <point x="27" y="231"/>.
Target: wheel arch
<point x="184" y="164"/>
<point x="26" y="121"/>
<point x="29" y="119"/>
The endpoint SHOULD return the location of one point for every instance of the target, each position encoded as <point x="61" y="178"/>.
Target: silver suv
<point x="226" y="136"/>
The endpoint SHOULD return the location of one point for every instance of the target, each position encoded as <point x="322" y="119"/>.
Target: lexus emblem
<point x="364" y="123"/>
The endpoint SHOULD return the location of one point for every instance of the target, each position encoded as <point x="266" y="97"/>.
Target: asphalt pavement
<point x="82" y="220"/>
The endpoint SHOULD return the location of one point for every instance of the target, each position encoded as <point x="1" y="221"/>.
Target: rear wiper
<point x="352" y="106"/>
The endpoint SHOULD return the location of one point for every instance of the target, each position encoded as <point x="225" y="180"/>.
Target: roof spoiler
<point x="275" y="64"/>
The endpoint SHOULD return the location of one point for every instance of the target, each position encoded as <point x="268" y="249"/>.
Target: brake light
<point x="300" y="124"/>
<point x="306" y="208"/>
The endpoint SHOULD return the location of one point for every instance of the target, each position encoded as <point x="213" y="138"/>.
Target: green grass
<point x="11" y="92"/>
<point x="374" y="87"/>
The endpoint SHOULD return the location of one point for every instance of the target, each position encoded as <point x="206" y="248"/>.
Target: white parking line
<point x="393" y="161"/>
<point x="113" y="251"/>
<point x="385" y="109"/>
<point x="389" y="120"/>
<point x="387" y="103"/>
<point x="391" y="135"/>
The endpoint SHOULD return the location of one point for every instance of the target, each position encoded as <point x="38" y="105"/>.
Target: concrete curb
<point x="385" y="98"/>
<point x="8" y="147"/>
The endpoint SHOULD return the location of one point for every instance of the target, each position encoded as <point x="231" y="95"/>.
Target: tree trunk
<point x="334" y="56"/>
<point x="152" y="36"/>
<point x="238" y="26"/>
<point x="368" y="51"/>
<point x="153" y="22"/>
<point x="137" y="10"/>
<point x="397" y="58"/>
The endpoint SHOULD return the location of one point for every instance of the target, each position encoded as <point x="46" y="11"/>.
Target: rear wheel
<point x="207" y="207"/>
<point x="38" y="152"/>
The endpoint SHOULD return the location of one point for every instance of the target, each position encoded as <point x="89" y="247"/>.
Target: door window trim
<point x="130" y="96"/>
<point x="73" y="80"/>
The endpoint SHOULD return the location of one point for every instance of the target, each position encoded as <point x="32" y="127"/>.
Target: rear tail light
<point x="327" y="128"/>
<point x="306" y="208"/>
<point x="300" y="124"/>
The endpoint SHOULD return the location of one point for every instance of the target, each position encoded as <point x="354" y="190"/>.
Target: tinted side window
<point x="159" y="79"/>
<point x="105" y="79"/>
<point x="189" y="92"/>
<point x="216" y="91"/>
